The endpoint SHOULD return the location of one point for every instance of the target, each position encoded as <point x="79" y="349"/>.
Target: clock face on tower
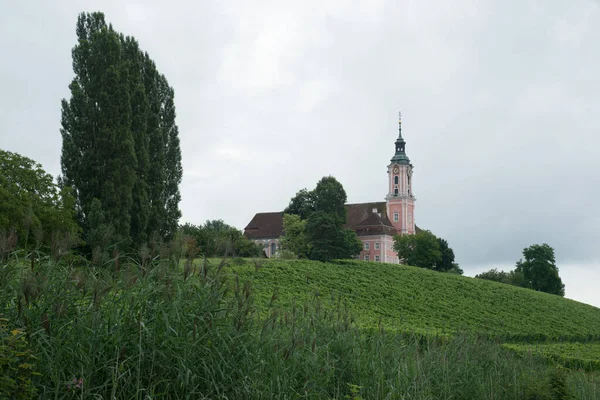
<point x="396" y="170"/>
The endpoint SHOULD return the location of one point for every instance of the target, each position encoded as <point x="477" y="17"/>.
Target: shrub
<point x="16" y="364"/>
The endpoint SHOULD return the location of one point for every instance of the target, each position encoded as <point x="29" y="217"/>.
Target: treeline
<point x="34" y="211"/>
<point x="217" y="239"/>
<point x="537" y="271"/>
<point x="121" y="156"/>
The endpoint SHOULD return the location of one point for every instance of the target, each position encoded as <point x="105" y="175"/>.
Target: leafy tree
<point x="302" y="204"/>
<point x="140" y="109"/>
<point x="330" y="197"/>
<point x="120" y="151"/>
<point x="539" y="269"/>
<point x="446" y="262"/>
<point x="456" y="269"/>
<point x="324" y="236"/>
<point x="31" y="204"/>
<point x="420" y="250"/>
<point x="328" y="239"/>
<point x="165" y="172"/>
<point x="294" y="237"/>
<point x="322" y="212"/>
<point x="216" y="238"/>
<point x="98" y="157"/>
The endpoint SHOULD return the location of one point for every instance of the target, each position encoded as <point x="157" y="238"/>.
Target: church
<point x="375" y="224"/>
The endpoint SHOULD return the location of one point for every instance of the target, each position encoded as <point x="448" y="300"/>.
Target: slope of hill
<point x="413" y="299"/>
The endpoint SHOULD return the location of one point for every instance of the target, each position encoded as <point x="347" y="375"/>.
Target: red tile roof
<point x="360" y="217"/>
<point x="369" y="219"/>
<point x="265" y="225"/>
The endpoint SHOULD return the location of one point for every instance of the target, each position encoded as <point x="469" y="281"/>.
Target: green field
<point x="417" y="300"/>
<point x="573" y="355"/>
<point x="285" y="329"/>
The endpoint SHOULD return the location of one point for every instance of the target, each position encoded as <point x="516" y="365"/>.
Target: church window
<point x="396" y="191"/>
<point x="396" y="217"/>
<point x="376" y="258"/>
<point x="367" y="257"/>
<point x="396" y="180"/>
<point x="367" y="246"/>
<point x="273" y="249"/>
<point x="376" y="245"/>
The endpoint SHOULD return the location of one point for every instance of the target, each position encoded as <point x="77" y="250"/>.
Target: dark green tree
<point x="294" y="236"/>
<point x="456" y="269"/>
<point x="539" y="269"/>
<point x="140" y="213"/>
<point x="32" y="206"/>
<point x="120" y="141"/>
<point x="330" y="197"/>
<point x="328" y="240"/>
<point x="217" y="239"/>
<point x="446" y="262"/>
<point x="324" y="213"/>
<point x="420" y="250"/>
<point x="98" y="155"/>
<point x="302" y="204"/>
<point x="173" y="171"/>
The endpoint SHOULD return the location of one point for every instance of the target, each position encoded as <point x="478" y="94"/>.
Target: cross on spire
<point x="400" y="124"/>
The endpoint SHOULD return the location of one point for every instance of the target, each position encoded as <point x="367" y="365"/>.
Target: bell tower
<point x="400" y="202"/>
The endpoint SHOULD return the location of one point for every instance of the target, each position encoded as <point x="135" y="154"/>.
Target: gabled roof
<point x="360" y="212"/>
<point x="364" y="218"/>
<point x="369" y="219"/>
<point x="265" y="225"/>
<point x="375" y="220"/>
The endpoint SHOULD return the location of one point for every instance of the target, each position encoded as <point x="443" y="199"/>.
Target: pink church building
<point x="375" y="224"/>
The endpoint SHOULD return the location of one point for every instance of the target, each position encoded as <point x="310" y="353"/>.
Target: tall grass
<point x="127" y="330"/>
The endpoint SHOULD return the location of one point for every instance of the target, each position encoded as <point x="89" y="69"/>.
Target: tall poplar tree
<point x="121" y="152"/>
<point x="139" y="123"/>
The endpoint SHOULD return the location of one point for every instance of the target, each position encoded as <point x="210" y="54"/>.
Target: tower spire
<point x="399" y="124"/>
<point x="400" y="156"/>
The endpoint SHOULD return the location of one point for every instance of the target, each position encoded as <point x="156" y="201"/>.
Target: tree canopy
<point x="420" y="250"/>
<point x="120" y="153"/>
<point x="216" y="238"/>
<point x="539" y="269"/>
<point x="31" y="203"/>
<point x="425" y="250"/>
<point x="511" y="277"/>
<point x="294" y="239"/>
<point x="318" y="231"/>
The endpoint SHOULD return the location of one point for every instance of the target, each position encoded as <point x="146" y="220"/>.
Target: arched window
<point x="273" y="249"/>
<point x="396" y="191"/>
<point x="396" y="180"/>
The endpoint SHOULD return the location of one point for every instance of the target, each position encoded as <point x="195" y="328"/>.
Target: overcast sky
<point x="500" y="105"/>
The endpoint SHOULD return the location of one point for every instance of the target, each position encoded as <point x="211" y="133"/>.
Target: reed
<point x="152" y="329"/>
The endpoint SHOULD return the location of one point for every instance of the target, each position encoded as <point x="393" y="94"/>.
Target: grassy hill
<point x="413" y="299"/>
<point x="255" y="330"/>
